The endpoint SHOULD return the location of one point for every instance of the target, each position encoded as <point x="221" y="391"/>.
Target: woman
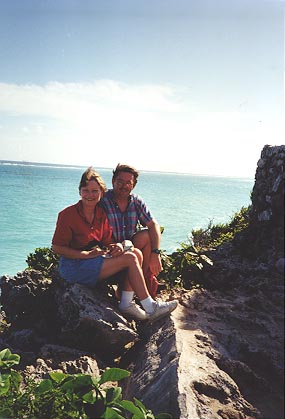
<point x="83" y="239"/>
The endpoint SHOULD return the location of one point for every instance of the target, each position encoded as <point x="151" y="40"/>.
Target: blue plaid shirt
<point x="125" y="224"/>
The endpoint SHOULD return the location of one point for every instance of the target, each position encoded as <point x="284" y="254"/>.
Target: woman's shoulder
<point x="71" y="208"/>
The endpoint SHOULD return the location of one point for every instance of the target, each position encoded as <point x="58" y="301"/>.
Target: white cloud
<point x="58" y="100"/>
<point x="149" y="126"/>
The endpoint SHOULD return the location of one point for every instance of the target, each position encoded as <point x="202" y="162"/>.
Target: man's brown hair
<point x="126" y="168"/>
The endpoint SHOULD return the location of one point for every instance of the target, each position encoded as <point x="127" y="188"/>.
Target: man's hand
<point x="155" y="264"/>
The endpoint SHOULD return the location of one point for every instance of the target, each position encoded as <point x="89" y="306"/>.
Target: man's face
<point x="123" y="184"/>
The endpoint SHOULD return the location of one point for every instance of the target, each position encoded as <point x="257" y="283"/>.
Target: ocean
<point x="31" y="195"/>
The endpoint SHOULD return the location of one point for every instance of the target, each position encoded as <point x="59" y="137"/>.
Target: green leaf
<point x="113" y="394"/>
<point x="140" y="405"/>
<point x="4" y="384"/>
<point x="113" y="374"/>
<point x="112" y="413"/>
<point x="78" y="382"/>
<point x="89" y="397"/>
<point x="7" y="359"/>
<point x="4" y="354"/>
<point x="44" y="386"/>
<point x="58" y="377"/>
<point x="131" y="407"/>
<point x="16" y="379"/>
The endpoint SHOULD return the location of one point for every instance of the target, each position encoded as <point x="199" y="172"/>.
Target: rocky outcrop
<point x="88" y="320"/>
<point x="219" y="355"/>
<point x="268" y="190"/>
<point x="185" y="370"/>
<point x="266" y="230"/>
<point x="42" y="311"/>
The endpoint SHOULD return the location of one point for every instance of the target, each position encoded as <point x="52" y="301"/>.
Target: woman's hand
<point x="115" y="249"/>
<point x="94" y="252"/>
<point x="70" y="253"/>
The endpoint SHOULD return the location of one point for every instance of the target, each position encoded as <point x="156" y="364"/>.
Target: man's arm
<point x="155" y="237"/>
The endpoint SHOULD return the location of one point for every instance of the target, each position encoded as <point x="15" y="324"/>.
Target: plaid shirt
<point x="125" y="224"/>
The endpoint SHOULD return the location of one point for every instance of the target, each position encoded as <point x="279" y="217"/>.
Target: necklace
<point x="89" y="220"/>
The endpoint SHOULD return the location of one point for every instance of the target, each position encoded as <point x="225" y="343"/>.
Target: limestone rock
<point x="90" y="321"/>
<point x="184" y="367"/>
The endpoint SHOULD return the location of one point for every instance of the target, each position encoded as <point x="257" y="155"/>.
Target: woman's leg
<point x="153" y="309"/>
<point x="135" y="280"/>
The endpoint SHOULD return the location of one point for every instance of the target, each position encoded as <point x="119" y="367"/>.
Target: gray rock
<point x="280" y="265"/>
<point x="90" y="321"/>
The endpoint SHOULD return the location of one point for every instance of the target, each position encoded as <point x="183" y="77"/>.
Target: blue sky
<point x="173" y="85"/>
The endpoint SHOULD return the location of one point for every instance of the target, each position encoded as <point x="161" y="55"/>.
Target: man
<point x="130" y="219"/>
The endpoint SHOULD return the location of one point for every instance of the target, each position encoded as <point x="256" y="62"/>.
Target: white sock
<point x="148" y="304"/>
<point x="126" y="299"/>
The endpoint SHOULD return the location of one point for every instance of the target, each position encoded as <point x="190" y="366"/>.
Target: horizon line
<point x="27" y="162"/>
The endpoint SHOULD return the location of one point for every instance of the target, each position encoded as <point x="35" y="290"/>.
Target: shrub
<point x="65" y="396"/>
<point x="43" y="259"/>
<point x="216" y="234"/>
<point x="190" y="257"/>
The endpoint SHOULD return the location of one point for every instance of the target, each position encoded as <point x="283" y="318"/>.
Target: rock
<point x="27" y="300"/>
<point x="280" y="265"/>
<point x="217" y="359"/>
<point x="90" y="321"/>
<point x="59" y="358"/>
<point x="74" y="315"/>
<point x="177" y="370"/>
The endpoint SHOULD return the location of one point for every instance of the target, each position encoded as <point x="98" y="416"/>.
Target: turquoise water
<point x="31" y="197"/>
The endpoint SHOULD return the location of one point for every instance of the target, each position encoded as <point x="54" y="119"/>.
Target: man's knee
<point x="141" y="239"/>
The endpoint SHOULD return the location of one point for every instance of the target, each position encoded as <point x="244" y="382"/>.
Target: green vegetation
<point x="64" y="396"/>
<point x="190" y="256"/>
<point x="43" y="259"/>
<point x="215" y="235"/>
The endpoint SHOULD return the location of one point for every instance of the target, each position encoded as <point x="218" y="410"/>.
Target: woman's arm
<point x="70" y="253"/>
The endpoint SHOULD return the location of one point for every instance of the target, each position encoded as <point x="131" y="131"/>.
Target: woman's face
<point x="91" y="193"/>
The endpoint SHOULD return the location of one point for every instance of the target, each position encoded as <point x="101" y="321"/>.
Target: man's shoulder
<point x="108" y="195"/>
<point x="107" y="202"/>
<point x="137" y="198"/>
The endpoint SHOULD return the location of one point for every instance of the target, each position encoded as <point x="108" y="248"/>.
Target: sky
<point x="191" y="86"/>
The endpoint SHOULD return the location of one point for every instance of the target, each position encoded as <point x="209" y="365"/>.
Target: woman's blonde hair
<point x="91" y="174"/>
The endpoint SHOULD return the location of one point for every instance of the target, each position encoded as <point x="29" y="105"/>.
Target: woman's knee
<point x="138" y="254"/>
<point x="134" y="257"/>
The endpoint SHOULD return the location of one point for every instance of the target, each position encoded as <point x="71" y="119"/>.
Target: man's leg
<point x="141" y="241"/>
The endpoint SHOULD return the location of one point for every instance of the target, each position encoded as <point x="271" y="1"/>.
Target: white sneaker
<point x="134" y="311"/>
<point x="162" y="309"/>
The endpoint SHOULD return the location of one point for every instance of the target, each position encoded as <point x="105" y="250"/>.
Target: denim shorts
<point x="82" y="271"/>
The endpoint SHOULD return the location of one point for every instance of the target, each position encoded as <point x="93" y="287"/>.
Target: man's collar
<point x="111" y="194"/>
